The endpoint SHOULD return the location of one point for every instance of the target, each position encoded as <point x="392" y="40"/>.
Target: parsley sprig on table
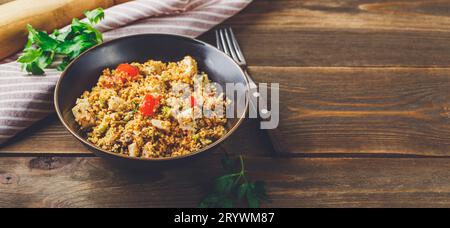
<point x="234" y="188"/>
<point x="42" y="48"/>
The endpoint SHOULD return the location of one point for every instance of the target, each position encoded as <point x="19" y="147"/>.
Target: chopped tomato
<point x="192" y="101"/>
<point x="149" y="105"/>
<point x="129" y="69"/>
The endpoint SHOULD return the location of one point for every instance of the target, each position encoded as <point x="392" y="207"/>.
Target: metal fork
<point x="227" y="42"/>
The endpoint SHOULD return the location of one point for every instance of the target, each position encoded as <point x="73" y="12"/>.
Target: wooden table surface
<point x="365" y="101"/>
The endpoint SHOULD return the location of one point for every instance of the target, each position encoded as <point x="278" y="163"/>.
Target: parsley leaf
<point x="233" y="188"/>
<point x="34" y="68"/>
<point x="95" y="16"/>
<point x="43" y="40"/>
<point x="30" y="56"/>
<point x="79" y="27"/>
<point x="243" y="190"/>
<point x="255" y="192"/>
<point x="76" y="46"/>
<point x="64" y="64"/>
<point x="46" y="59"/>
<point x="225" y="184"/>
<point x="41" y="47"/>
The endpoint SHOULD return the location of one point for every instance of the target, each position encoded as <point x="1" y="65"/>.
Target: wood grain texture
<point x="361" y="110"/>
<point x="296" y="182"/>
<point x="345" y="33"/>
<point x="363" y="91"/>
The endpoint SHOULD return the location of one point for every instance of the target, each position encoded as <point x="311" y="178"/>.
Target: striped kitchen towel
<point x="25" y="99"/>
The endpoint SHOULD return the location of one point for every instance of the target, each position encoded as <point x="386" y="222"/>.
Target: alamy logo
<point x="262" y="101"/>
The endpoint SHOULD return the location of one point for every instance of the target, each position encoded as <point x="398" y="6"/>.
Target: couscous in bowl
<point x="153" y="109"/>
<point x="85" y="73"/>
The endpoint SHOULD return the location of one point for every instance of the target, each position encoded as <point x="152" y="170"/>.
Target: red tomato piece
<point x="192" y="101"/>
<point x="129" y="69"/>
<point x="149" y="105"/>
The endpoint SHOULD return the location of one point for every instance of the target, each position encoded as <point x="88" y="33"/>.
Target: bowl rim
<point x="122" y="156"/>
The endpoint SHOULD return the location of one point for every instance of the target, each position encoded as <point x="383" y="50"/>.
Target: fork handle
<point x="255" y="96"/>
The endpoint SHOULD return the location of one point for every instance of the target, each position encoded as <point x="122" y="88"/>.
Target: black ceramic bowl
<point x="83" y="73"/>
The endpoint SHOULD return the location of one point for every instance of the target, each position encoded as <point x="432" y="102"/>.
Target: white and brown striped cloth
<point x="25" y="99"/>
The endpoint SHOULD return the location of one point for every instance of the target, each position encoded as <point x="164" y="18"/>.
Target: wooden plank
<point x="361" y="110"/>
<point x="45" y="137"/>
<point x="295" y="182"/>
<point x="343" y="48"/>
<point x="49" y="137"/>
<point x="345" y="33"/>
<point x="418" y="15"/>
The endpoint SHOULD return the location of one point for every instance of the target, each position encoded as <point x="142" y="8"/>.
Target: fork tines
<point x="226" y="42"/>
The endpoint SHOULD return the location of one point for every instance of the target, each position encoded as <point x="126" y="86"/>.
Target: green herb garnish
<point x="234" y="188"/>
<point x="166" y="111"/>
<point x="42" y="48"/>
<point x="135" y="108"/>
